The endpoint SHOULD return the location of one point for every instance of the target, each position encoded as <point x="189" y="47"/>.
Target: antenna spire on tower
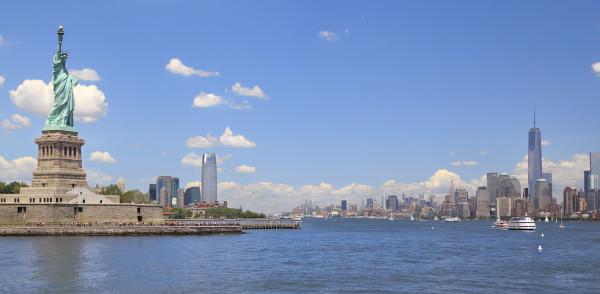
<point x="534" y="116"/>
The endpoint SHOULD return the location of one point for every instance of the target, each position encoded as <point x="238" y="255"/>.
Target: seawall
<point x="117" y="230"/>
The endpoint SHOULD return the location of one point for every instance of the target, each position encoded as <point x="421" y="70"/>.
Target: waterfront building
<point x="392" y="202"/>
<point x="542" y="195"/>
<point x="534" y="157"/>
<point x="209" y="177"/>
<point x="548" y="178"/>
<point x="192" y="195"/>
<point x="152" y="191"/>
<point x="369" y="203"/>
<point x="344" y="205"/>
<point x="504" y="206"/>
<point x="180" y="194"/>
<point x="171" y="185"/>
<point x="461" y="195"/>
<point x="483" y="203"/>
<point x="492" y="187"/>
<point x="569" y="200"/>
<point x="452" y="192"/>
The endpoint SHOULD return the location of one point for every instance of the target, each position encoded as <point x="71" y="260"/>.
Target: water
<point x="326" y="256"/>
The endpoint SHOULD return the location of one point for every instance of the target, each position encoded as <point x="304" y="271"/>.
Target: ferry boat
<point x="452" y="219"/>
<point x="521" y="223"/>
<point x="297" y="218"/>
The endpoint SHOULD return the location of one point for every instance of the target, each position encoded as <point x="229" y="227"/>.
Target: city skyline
<point x="362" y="100"/>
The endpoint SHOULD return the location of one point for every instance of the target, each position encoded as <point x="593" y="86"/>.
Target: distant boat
<point x="435" y="218"/>
<point x="521" y="223"/>
<point x="452" y="219"/>
<point x="391" y="216"/>
<point x="297" y="218"/>
<point x="561" y="217"/>
<point x="412" y="218"/>
<point x="500" y="223"/>
<point x="546" y="220"/>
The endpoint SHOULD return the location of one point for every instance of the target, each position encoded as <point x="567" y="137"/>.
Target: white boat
<point x="521" y="223"/>
<point x="412" y="218"/>
<point x="561" y="217"/>
<point x="391" y="216"/>
<point x="435" y="218"/>
<point x="500" y="223"/>
<point x="297" y="218"/>
<point x="546" y="220"/>
<point x="452" y="219"/>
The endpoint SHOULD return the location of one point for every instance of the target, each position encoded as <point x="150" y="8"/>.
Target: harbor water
<point x="325" y="256"/>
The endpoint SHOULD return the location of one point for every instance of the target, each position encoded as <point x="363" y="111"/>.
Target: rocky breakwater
<point x="156" y="230"/>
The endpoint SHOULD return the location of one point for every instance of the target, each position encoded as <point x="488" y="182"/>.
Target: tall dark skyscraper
<point x="534" y="157"/>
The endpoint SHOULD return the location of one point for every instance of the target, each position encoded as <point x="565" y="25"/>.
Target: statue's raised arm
<point x="61" y="114"/>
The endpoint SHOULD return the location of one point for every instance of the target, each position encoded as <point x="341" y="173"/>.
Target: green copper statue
<point x="61" y="115"/>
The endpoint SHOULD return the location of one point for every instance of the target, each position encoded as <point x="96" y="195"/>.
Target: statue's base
<point x="56" y="128"/>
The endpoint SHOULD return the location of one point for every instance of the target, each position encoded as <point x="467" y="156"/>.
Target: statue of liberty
<point x="61" y="115"/>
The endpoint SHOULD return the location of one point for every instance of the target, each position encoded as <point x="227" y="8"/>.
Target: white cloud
<point x="347" y="31"/>
<point x="546" y="143"/>
<point x="596" y="68"/>
<point x="18" y="122"/>
<point x="164" y="153"/>
<point x="452" y="153"/>
<point x="193" y="184"/>
<point x="101" y="157"/>
<point x="245" y="105"/>
<point x="20" y="169"/>
<point x="2" y="79"/>
<point x="456" y="163"/>
<point x="228" y="139"/>
<point x="328" y="36"/>
<point x="86" y="74"/>
<point x="37" y="98"/>
<point x="192" y="159"/>
<point x="245" y="169"/>
<point x="565" y="173"/>
<point x="175" y="66"/>
<point x="96" y="177"/>
<point x="222" y="159"/>
<point x="482" y="152"/>
<point x="207" y="100"/>
<point x="202" y="142"/>
<point x="243" y="91"/>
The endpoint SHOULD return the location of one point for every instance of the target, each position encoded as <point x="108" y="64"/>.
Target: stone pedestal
<point x="59" y="161"/>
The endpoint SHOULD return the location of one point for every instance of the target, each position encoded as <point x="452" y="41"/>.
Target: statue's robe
<point x="61" y="115"/>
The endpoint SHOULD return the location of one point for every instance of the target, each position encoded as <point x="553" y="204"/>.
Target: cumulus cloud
<point x="193" y="184"/>
<point x="101" y="157"/>
<point x="482" y="152"/>
<point x="546" y="143"/>
<point x="37" y="98"/>
<point x="228" y="139"/>
<point x="192" y="159"/>
<point x="17" y="122"/>
<point x="565" y="173"/>
<point x="245" y="105"/>
<point x="97" y="177"/>
<point x="176" y="66"/>
<point x="245" y="169"/>
<point x="223" y="159"/>
<point x="207" y="100"/>
<point x="596" y="68"/>
<point x="20" y="169"/>
<point x="328" y="36"/>
<point x="238" y="89"/>
<point x="2" y="79"/>
<point x="202" y="142"/>
<point x="456" y="163"/>
<point x="86" y="74"/>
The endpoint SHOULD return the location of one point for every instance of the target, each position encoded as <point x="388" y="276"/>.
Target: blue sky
<point x="321" y="100"/>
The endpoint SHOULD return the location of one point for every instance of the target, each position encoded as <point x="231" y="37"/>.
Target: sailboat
<point x="412" y="218"/>
<point x="561" y="217"/>
<point x="546" y="220"/>
<point x="435" y="218"/>
<point x="391" y="216"/>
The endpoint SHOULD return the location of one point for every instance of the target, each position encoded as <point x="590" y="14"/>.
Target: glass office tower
<point x="534" y="157"/>
<point x="209" y="177"/>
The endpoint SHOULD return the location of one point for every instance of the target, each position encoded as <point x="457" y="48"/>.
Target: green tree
<point x="181" y="213"/>
<point x="135" y="196"/>
<point x="12" y="188"/>
<point x="112" y="189"/>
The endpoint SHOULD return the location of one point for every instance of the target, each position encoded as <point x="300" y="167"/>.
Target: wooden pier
<point x="269" y="224"/>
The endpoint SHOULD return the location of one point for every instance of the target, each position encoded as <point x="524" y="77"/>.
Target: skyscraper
<point x="152" y="191"/>
<point x="534" y="157"/>
<point x="492" y="187"/>
<point x="548" y="178"/>
<point x="483" y="203"/>
<point x="171" y="185"/>
<point x="591" y="191"/>
<point x="209" y="177"/>
<point x="542" y="194"/>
